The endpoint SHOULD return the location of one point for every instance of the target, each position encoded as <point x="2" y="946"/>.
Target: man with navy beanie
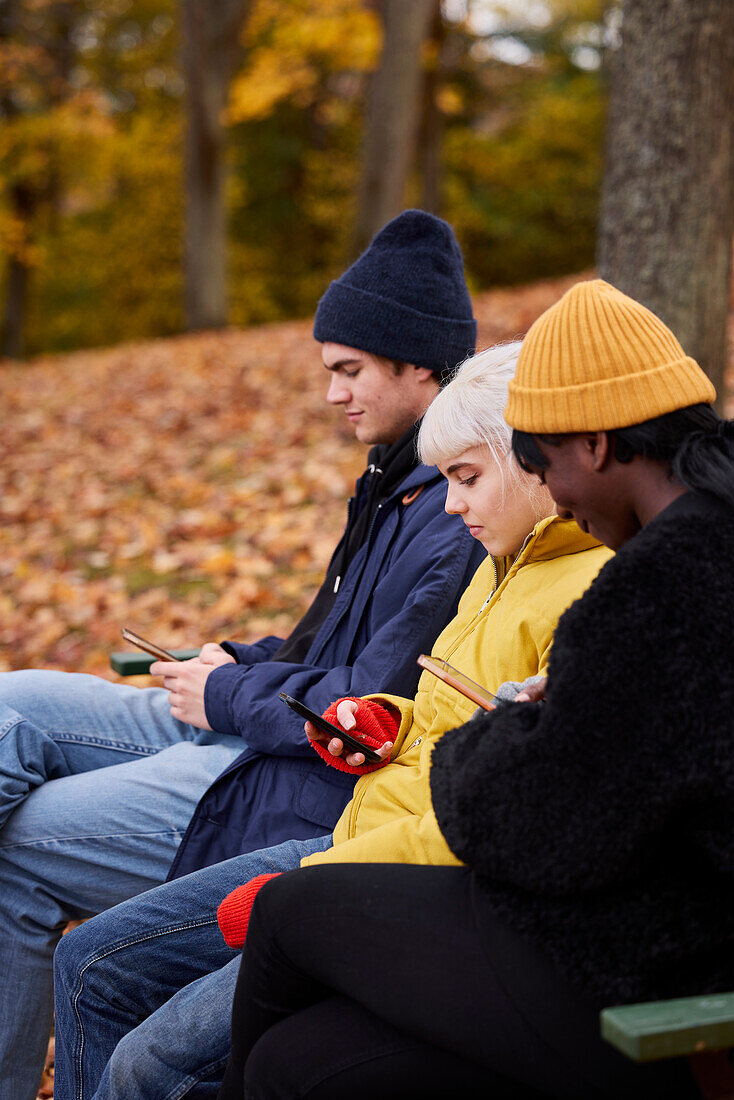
<point x="99" y="782"/>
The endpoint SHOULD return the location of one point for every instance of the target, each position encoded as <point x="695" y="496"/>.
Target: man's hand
<point x="185" y="681"/>
<point x="213" y="654"/>
<point x="533" y="693"/>
<point x="345" y="712"/>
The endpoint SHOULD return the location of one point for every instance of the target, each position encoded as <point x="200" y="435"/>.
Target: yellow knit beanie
<point x="598" y="360"/>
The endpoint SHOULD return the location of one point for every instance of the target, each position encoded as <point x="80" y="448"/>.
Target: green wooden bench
<point x="133" y="662"/>
<point x="700" y="1029"/>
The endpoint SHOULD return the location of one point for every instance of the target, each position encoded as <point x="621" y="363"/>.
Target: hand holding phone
<point x="350" y="716"/>
<point x="353" y="744"/>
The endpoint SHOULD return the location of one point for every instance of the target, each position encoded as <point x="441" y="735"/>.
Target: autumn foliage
<point x="191" y="488"/>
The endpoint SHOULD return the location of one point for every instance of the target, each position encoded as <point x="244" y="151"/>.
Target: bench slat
<point x="135" y="663"/>
<point x="671" y="1029"/>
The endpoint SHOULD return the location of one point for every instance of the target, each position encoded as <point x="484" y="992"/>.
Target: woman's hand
<point x="345" y="713"/>
<point x="533" y="693"/>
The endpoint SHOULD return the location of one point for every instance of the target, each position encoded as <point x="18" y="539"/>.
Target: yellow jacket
<point x="501" y="632"/>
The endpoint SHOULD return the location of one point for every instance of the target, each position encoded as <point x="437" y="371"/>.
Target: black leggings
<point x="385" y="980"/>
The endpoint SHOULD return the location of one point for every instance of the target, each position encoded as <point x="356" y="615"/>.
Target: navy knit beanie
<point x="405" y="298"/>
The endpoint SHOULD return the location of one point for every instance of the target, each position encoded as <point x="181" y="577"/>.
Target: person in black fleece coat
<point x="600" y="822"/>
<point x="595" y="814"/>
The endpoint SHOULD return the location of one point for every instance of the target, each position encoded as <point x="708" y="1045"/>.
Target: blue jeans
<point x="97" y="785"/>
<point x="160" y="959"/>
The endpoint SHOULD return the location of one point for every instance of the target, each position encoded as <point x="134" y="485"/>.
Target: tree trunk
<point x="16" y="298"/>
<point x="12" y="326"/>
<point x="667" y="213"/>
<point x="210" y="31"/>
<point x="392" y="116"/>
<point x="17" y="275"/>
<point x="431" y="132"/>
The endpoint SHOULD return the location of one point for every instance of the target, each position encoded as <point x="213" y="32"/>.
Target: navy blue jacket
<point x="399" y="591"/>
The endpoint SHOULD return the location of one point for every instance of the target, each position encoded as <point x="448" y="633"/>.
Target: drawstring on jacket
<point x="375" y="475"/>
<point x="389" y="466"/>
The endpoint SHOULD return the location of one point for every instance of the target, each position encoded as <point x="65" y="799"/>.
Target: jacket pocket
<point x="321" y="801"/>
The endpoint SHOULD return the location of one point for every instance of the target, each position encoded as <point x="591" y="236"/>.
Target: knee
<point x="311" y="1070"/>
<point x="299" y="891"/>
<point x="164" y="1055"/>
<point x="20" y="689"/>
<point x="13" y="687"/>
<point x="277" y="898"/>
<point x="78" y="967"/>
<point x="270" y="1076"/>
<point x="131" y="1071"/>
<point x="68" y="961"/>
<point x="29" y="911"/>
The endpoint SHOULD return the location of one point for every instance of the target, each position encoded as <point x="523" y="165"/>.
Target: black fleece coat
<point x="600" y="823"/>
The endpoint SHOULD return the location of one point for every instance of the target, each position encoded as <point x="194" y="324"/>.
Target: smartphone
<point x="351" y="743"/>
<point x="148" y="647"/>
<point x="458" y="680"/>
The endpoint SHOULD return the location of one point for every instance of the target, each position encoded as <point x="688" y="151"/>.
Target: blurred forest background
<point x="507" y="103"/>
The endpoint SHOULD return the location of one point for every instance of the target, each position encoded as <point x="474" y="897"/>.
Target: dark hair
<point x="698" y="445"/>
<point x="397" y="367"/>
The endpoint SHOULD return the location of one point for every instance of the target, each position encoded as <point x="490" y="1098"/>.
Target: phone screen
<point x="349" y="742"/>
<point x="458" y="680"/>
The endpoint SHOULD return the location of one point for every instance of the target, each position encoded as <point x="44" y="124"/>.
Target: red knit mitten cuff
<point x="375" y="725"/>
<point x="233" y="914"/>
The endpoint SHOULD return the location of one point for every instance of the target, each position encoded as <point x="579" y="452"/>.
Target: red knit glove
<point x="234" y="912"/>
<point x="375" y="725"/>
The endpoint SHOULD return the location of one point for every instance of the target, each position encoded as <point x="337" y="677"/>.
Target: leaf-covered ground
<point x="190" y="488"/>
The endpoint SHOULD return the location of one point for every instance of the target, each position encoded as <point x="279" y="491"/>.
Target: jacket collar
<point x="699" y="504"/>
<point x="401" y="456"/>
<point x="552" y="537"/>
<point x="421" y="475"/>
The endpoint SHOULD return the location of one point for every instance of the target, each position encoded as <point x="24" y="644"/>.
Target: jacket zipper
<point x="350" y="513"/>
<point x="494" y="566"/>
<point x="345" y="609"/>
<point x="494" y="587"/>
<point x="372" y="471"/>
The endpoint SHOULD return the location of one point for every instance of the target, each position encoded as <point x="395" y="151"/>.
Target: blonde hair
<point x="469" y="412"/>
